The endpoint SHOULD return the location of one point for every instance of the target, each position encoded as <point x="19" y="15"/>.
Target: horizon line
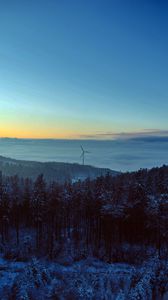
<point x="116" y="138"/>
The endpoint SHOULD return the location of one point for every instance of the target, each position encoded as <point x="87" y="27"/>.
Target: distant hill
<point x="52" y="171"/>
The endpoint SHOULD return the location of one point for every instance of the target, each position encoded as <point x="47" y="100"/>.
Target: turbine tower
<point x="83" y="155"/>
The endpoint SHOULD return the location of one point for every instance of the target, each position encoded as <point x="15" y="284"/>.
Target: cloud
<point x="144" y="134"/>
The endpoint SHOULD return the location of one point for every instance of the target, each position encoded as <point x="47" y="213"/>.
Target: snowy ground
<point x="87" y="279"/>
<point x="8" y="272"/>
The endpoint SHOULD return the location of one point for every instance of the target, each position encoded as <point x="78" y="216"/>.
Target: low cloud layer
<point x="146" y="133"/>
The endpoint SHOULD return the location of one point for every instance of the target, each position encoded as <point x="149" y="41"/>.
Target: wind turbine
<point x="83" y="155"/>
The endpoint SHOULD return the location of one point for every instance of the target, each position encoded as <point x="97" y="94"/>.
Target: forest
<point x="52" y="171"/>
<point x="121" y="219"/>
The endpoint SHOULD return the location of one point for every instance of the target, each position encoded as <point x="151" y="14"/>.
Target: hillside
<point x="96" y="239"/>
<point x="52" y="171"/>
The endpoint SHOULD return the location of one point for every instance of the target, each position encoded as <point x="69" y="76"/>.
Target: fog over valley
<point x="120" y="155"/>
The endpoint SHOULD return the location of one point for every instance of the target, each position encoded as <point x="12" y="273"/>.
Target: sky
<point x="83" y="69"/>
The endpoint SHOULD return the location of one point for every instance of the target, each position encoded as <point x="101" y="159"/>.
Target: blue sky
<point x="72" y="69"/>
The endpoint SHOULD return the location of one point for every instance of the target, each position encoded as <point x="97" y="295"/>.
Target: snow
<point x="8" y="273"/>
<point x="86" y="279"/>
